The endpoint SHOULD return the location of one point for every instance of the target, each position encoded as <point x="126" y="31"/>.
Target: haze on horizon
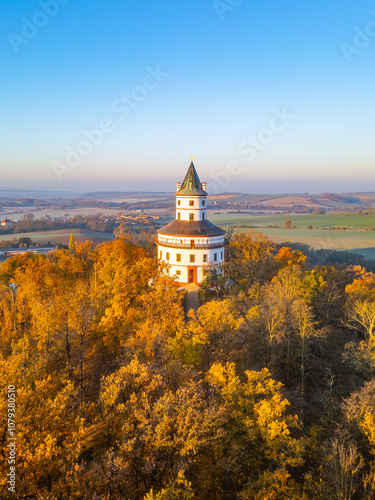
<point x="270" y="97"/>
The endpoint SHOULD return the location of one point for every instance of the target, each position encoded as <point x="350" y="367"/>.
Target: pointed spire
<point x="191" y="184"/>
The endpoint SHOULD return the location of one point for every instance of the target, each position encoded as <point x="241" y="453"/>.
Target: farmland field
<point x="300" y="221"/>
<point x="53" y="213"/>
<point x="362" y="242"/>
<point x="351" y="240"/>
<point x="73" y="212"/>
<point x="62" y="236"/>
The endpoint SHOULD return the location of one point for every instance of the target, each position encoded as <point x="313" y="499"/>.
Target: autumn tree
<point x="155" y="432"/>
<point x="341" y="469"/>
<point x="72" y="244"/>
<point x="257" y="448"/>
<point x="50" y="428"/>
<point x="288" y="257"/>
<point x="250" y="260"/>
<point x="360" y="317"/>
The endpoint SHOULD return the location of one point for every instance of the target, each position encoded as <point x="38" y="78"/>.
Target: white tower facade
<point x="191" y="242"/>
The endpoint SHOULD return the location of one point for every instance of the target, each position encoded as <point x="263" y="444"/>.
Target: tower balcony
<point x="192" y="244"/>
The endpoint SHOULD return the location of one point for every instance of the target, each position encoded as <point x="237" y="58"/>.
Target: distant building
<point x="6" y="222"/>
<point x="135" y="218"/>
<point x="190" y="243"/>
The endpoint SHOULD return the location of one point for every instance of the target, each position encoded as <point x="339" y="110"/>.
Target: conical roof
<point x="191" y="185"/>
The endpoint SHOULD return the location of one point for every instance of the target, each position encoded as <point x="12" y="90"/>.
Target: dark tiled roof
<point x="191" y="228"/>
<point x="191" y="184"/>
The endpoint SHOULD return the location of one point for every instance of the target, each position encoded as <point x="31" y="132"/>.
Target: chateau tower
<point x="190" y="242"/>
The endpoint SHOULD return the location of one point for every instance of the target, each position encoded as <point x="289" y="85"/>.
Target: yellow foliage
<point x="225" y="379"/>
<point x="272" y="485"/>
<point x="288" y="257"/>
<point x="219" y="317"/>
<point x="254" y="314"/>
<point x="252" y="245"/>
<point x="361" y="314"/>
<point x="259" y="410"/>
<point x="133" y="377"/>
<point x="178" y="489"/>
<point x="288" y="283"/>
<point x="368" y="427"/>
<point x="187" y="343"/>
<point x="363" y="286"/>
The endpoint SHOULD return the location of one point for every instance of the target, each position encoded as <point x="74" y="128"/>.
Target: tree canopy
<point x="266" y="392"/>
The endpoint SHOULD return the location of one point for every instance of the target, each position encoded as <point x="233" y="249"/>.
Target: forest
<point x="266" y="392"/>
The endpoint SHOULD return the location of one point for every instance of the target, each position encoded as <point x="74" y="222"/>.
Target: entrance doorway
<point x="191" y="276"/>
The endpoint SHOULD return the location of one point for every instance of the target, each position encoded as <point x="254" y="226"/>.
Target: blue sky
<point x="204" y="78"/>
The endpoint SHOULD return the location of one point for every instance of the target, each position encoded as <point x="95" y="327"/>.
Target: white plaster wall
<point x="185" y="256"/>
<point x="185" y="260"/>
<point x="199" y="202"/>
<point x="184" y="209"/>
<point x="183" y="277"/>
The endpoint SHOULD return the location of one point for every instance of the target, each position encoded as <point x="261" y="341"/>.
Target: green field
<point x="61" y="236"/>
<point x="354" y="240"/>
<point x="300" y="221"/>
<point x="53" y="213"/>
<point x="362" y="242"/>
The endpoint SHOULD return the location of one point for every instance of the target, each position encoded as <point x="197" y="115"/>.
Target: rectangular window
<point x="203" y="203"/>
<point x="178" y="257"/>
<point x="161" y="254"/>
<point x="215" y="256"/>
<point x="203" y="216"/>
<point x="178" y="273"/>
<point x="221" y="254"/>
<point x="178" y="216"/>
<point x="167" y="257"/>
<point x="192" y="258"/>
<point x="191" y="203"/>
<point x="205" y="257"/>
<point x="191" y="216"/>
<point x="192" y="243"/>
<point x="179" y="202"/>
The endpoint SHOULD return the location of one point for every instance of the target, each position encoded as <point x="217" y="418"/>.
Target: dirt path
<point x="192" y="298"/>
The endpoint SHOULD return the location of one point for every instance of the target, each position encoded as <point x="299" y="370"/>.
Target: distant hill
<point x="13" y="194"/>
<point x="283" y="203"/>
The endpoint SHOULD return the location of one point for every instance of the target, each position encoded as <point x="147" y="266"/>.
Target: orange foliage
<point x="288" y="257"/>
<point x="363" y="286"/>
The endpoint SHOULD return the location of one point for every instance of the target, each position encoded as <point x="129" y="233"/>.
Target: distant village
<point x="29" y="220"/>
